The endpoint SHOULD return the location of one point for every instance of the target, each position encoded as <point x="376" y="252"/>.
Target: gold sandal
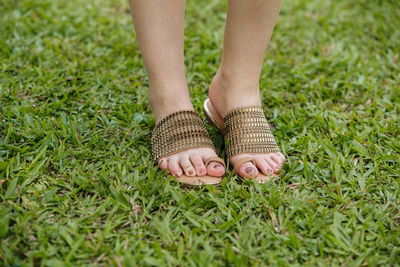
<point x="181" y="131"/>
<point x="246" y="131"/>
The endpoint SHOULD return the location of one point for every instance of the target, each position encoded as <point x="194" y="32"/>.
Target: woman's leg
<point x="159" y="26"/>
<point x="249" y="27"/>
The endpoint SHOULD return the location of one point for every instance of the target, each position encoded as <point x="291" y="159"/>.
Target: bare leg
<point x="249" y="27"/>
<point x="159" y="26"/>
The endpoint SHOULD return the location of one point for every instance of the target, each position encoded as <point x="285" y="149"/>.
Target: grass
<point x="78" y="185"/>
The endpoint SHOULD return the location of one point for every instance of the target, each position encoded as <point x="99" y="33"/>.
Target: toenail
<point x="249" y="170"/>
<point x="217" y="166"/>
<point x="191" y="172"/>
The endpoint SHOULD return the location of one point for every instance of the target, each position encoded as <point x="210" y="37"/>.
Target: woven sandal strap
<point x="214" y="159"/>
<point x="242" y="161"/>
<point x="246" y="130"/>
<point x="177" y="132"/>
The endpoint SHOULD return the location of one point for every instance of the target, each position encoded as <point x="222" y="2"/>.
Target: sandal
<point x="181" y="131"/>
<point x="246" y="131"/>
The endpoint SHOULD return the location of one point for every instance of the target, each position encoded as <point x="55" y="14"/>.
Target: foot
<point x="226" y="95"/>
<point x="192" y="161"/>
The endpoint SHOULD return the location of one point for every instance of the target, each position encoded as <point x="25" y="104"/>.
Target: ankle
<point x="167" y="100"/>
<point x="238" y="81"/>
<point x="228" y="91"/>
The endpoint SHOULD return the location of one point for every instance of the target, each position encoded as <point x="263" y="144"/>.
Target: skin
<point x="159" y="26"/>
<point x="249" y="26"/>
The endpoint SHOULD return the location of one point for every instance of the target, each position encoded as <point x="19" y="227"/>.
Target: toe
<point x="278" y="160"/>
<point x="163" y="163"/>
<point x="248" y="170"/>
<point x="215" y="169"/>
<point x="174" y="168"/>
<point x="282" y="157"/>
<point x="187" y="166"/>
<point x="263" y="166"/>
<point x="275" y="167"/>
<point x="198" y="164"/>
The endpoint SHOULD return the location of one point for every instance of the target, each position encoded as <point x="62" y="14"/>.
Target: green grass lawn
<point x="78" y="185"/>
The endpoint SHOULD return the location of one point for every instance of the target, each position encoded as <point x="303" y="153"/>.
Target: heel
<point x="208" y="113"/>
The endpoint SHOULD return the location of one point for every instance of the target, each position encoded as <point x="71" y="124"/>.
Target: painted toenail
<point x="249" y="170"/>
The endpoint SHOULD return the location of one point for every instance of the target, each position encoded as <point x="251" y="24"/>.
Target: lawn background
<point x="78" y="185"/>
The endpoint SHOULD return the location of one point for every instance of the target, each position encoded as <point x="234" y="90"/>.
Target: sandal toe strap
<point x="242" y="161"/>
<point x="214" y="159"/>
